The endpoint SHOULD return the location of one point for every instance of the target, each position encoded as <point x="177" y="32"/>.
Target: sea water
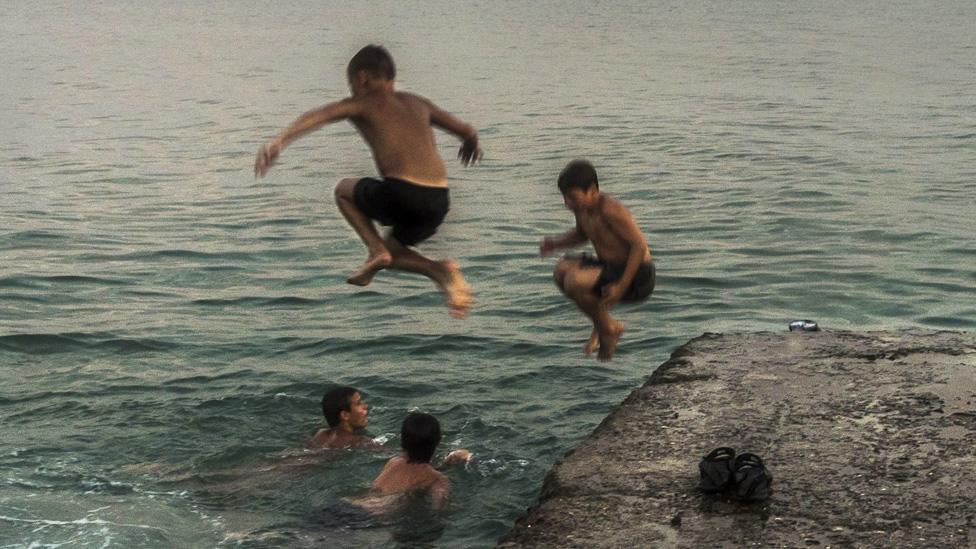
<point x="168" y="324"/>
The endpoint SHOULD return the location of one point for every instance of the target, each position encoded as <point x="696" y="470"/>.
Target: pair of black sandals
<point x="743" y="476"/>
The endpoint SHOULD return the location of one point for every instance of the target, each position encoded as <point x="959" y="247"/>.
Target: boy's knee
<point x="344" y="189"/>
<point x="559" y="275"/>
<point x="577" y="285"/>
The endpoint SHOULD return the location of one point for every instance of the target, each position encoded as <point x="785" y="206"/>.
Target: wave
<point x="419" y="344"/>
<point x="951" y="323"/>
<point x="159" y="255"/>
<point x="32" y="239"/>
<point x="33" y="281"/>
<point x="235" y="374"/>
<point x="45" y="344"/>
<point x="259" y="301"/>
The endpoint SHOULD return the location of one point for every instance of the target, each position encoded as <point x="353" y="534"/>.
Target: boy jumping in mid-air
<point x="412" y="194"/>
<point x="622" y="270"/>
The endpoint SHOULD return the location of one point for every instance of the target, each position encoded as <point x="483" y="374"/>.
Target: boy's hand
<point x="612" y="293"/>
<point x="546" y="247"/>
<point x="470" y="152"/>
<point x="457" y="456"/>
<point x="267" y="156"/>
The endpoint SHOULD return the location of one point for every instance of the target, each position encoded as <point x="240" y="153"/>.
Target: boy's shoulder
<point x="435" y="473"/>
<point x="320" y="437"/>
<point x="329" y="438"/>
<point x="414" y="98"/>
<point x="404" y="94"/>
<point x="433" y="478"/>
<point x="381" y="99"/>
<point x="614" y="213"/>
<point x="610" y="206"/>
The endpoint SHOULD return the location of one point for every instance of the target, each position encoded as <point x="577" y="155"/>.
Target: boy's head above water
<point x="371" y="64"/>
<point x="344" y="405"/>
<point x="579" y="184"/>
<point x="419" y="436"/>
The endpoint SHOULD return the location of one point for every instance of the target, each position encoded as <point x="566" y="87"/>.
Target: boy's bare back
<point x="398" y="127"/>
<point x="400" y="477"/>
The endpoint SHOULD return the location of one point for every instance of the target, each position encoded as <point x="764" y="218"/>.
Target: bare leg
<point x="378" y="257"/>
<point x="593" y="343"/>
<point x="608" y="330"/>
<point x="445" y="274"/>
<point x="608" y="340"/>
<point x="577" y="283"/>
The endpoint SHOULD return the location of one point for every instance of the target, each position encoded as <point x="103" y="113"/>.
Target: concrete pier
<point x="869" y="438"/>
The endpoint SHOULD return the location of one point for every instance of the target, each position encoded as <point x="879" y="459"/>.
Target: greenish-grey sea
<point x="168" y="324"/>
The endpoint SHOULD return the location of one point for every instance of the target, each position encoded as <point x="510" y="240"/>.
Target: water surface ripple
<point x="168" y="323"/>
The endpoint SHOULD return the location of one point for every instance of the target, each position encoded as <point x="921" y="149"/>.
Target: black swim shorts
<point x="344" y="514"/>
<point x="640" y="288"/>
<point x="414" y="211"/>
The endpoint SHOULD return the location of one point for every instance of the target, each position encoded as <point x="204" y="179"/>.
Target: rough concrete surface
<point x="869" y="438"/>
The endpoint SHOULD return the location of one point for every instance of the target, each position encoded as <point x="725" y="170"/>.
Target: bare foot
<point x="608" y="341"/>
<point x="593" y="343"/>
<point x="374" y="264"/>
<point x="456" y="290"/>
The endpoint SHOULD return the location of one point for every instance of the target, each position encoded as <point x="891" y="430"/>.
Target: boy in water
<point x="411" y="471"/>
<point x="412" y="194"/>
<point x="622" y="270"/>
<point x="346" y="412"/>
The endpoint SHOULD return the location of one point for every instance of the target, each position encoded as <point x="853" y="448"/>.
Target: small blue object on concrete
<point x="804" y="326"/>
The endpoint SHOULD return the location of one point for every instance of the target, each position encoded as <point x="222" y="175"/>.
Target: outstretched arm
<point x="306" y="123"/>
<point x="470" y="152"/>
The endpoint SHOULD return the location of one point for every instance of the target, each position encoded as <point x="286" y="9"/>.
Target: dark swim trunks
<point x="414" y="211"/>
<point x="343" y="514"/>
<point x="640" y="288"/>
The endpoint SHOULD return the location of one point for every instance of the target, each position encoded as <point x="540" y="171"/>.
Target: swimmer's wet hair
<point x="419" y="436"/>
<point x="373" y="59"/>
<point x="335" y="402"/>
<point x="578" y="174"/>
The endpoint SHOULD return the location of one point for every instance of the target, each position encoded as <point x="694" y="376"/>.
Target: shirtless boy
<point x="412" y="195"/>
<point x="622" y="270"/>
<point x="411" y="471"/>
<point x="346" y="412"/>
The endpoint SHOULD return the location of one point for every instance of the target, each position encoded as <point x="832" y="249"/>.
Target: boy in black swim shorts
<point x="622" y="270"/>
<point x="412" y="196"/>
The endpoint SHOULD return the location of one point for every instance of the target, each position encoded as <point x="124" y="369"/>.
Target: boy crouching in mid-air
<point x="622" y="270"/>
